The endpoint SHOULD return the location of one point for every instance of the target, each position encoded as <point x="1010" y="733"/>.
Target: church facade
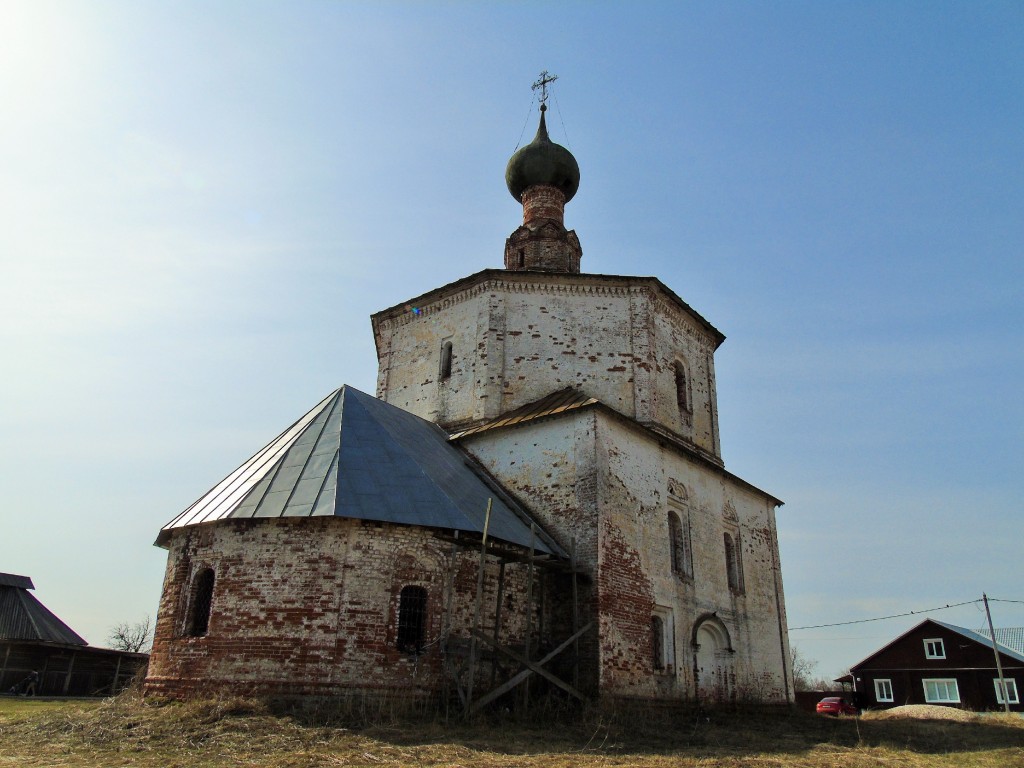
<point x="535" y="495"/>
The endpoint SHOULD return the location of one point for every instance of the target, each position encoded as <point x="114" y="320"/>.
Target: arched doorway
<point x="712" y="660"/>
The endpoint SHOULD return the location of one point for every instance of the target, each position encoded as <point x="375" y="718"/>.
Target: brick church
<point x="534" y="504"/>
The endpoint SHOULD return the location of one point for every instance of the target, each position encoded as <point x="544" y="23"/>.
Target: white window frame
<point x="936" y="651"/>
<point x="948" y="682"/>
<point x="1011" y="690"/>
<point x="883" y="685"/>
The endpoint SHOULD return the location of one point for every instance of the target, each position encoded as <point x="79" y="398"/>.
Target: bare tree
<point x="136" y="638"/>
<point x="803" y="670"/>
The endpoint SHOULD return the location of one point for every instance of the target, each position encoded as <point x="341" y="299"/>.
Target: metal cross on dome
<point x="542" y="84"/>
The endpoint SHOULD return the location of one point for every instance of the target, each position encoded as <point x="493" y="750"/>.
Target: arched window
<point x="682" y="388"/>
<point x="202" y="602"/>
<point x="732" y="564"/>
<point x="679" y="542"/>
<point x="412" y="619"/>
<point x="657" y="642"/>
<point x="446" y="361"/>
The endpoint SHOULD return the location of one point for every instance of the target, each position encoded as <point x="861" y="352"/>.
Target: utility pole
<point x="995" y="650"/>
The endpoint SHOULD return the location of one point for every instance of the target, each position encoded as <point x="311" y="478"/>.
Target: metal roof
<point x="984" y="639"/>
<point x="23" y="617"/>
<point x="11" y="580"/>
<point x="1011" y="637"/>
<point x="567" y="399"/>
<point x="355" y="456"/>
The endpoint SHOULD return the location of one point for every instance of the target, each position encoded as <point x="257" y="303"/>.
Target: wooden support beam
<point x="497" y="618"/>
<point x="446" y="626"/>
<point x="531" y="668"/>
<point x="575" y="617"/>
<point x="529" y="613"/>
<point x="117" y="671"/>
<point x="509" y="552"/>
<point x="67" y="677"/>
<point x="476" y="607"/>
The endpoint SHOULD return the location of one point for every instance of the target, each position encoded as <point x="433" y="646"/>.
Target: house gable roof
<point x="355" y="456"/>
<point x="23" y="617"/>
<point x="962" y="631"/>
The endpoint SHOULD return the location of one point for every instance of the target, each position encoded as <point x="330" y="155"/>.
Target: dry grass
<point x="127" y="731"/>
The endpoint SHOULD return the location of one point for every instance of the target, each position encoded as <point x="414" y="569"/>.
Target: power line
<point x="897" y="615"/>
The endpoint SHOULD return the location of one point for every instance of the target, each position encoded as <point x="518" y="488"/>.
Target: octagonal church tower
<point x="536" y="489"/>
<point x="592" y="398"/>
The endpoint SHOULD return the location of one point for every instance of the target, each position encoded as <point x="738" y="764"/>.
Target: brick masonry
<point x="310" y="606"/>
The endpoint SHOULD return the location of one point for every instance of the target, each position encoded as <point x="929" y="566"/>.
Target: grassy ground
<point x="216" y="734"/>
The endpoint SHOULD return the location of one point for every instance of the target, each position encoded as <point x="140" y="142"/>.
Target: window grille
<point x="412" y="619"/>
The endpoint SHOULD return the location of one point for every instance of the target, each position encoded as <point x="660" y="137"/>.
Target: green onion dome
<point x="542" y="162"/>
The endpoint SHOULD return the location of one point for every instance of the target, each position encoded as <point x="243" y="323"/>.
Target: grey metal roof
<point x="355" y="456"/>
<point x="1011" y="637"/>
<point x="23" y="617"/>
<point x="984" y="639"/>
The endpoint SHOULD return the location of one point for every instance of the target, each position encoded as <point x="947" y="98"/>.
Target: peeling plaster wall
<point x="310" y="605"/>
<point x="635" y="572"/>
<point x="523" y="336"/>
<point x="591" y="477"/>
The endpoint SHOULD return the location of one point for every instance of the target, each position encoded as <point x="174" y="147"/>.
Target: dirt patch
<point x="922" y="712"/>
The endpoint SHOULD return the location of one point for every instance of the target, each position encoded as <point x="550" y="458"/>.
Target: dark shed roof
<point x="21" y="582"/>
<point x="23" y="617"/>
<point x="356" y="456"/>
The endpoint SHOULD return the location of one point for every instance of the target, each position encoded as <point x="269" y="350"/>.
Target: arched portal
<point x="712" y="660"/>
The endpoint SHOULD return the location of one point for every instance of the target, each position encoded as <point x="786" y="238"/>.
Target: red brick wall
<point x="309" y="606"/>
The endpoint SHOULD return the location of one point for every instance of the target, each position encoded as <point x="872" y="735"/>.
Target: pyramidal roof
<point x="355" y="456"/>
<point x="23" y="617"/>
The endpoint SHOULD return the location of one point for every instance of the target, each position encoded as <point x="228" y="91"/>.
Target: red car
<point x="835" y="705"/>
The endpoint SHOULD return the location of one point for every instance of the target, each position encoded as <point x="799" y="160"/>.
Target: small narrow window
<point x="412" y="619"/>
<point x="658" y="642"/>
<point x="732" y="564"/>
<point x="883" y="691"/>
<point x="682" y="393"/>
<point x="934" y="649"/>
<point x="941" y="691"/>
<point x="446" y="360"/>
<point x="675" y="536"/>
<point x="522" y="259"/>
<point x="202" y="602"/>
<point x="1010" y="685"/>
<point x="679" y="544"/>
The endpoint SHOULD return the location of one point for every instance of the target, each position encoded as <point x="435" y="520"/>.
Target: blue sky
<point x="202" y="203"/>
